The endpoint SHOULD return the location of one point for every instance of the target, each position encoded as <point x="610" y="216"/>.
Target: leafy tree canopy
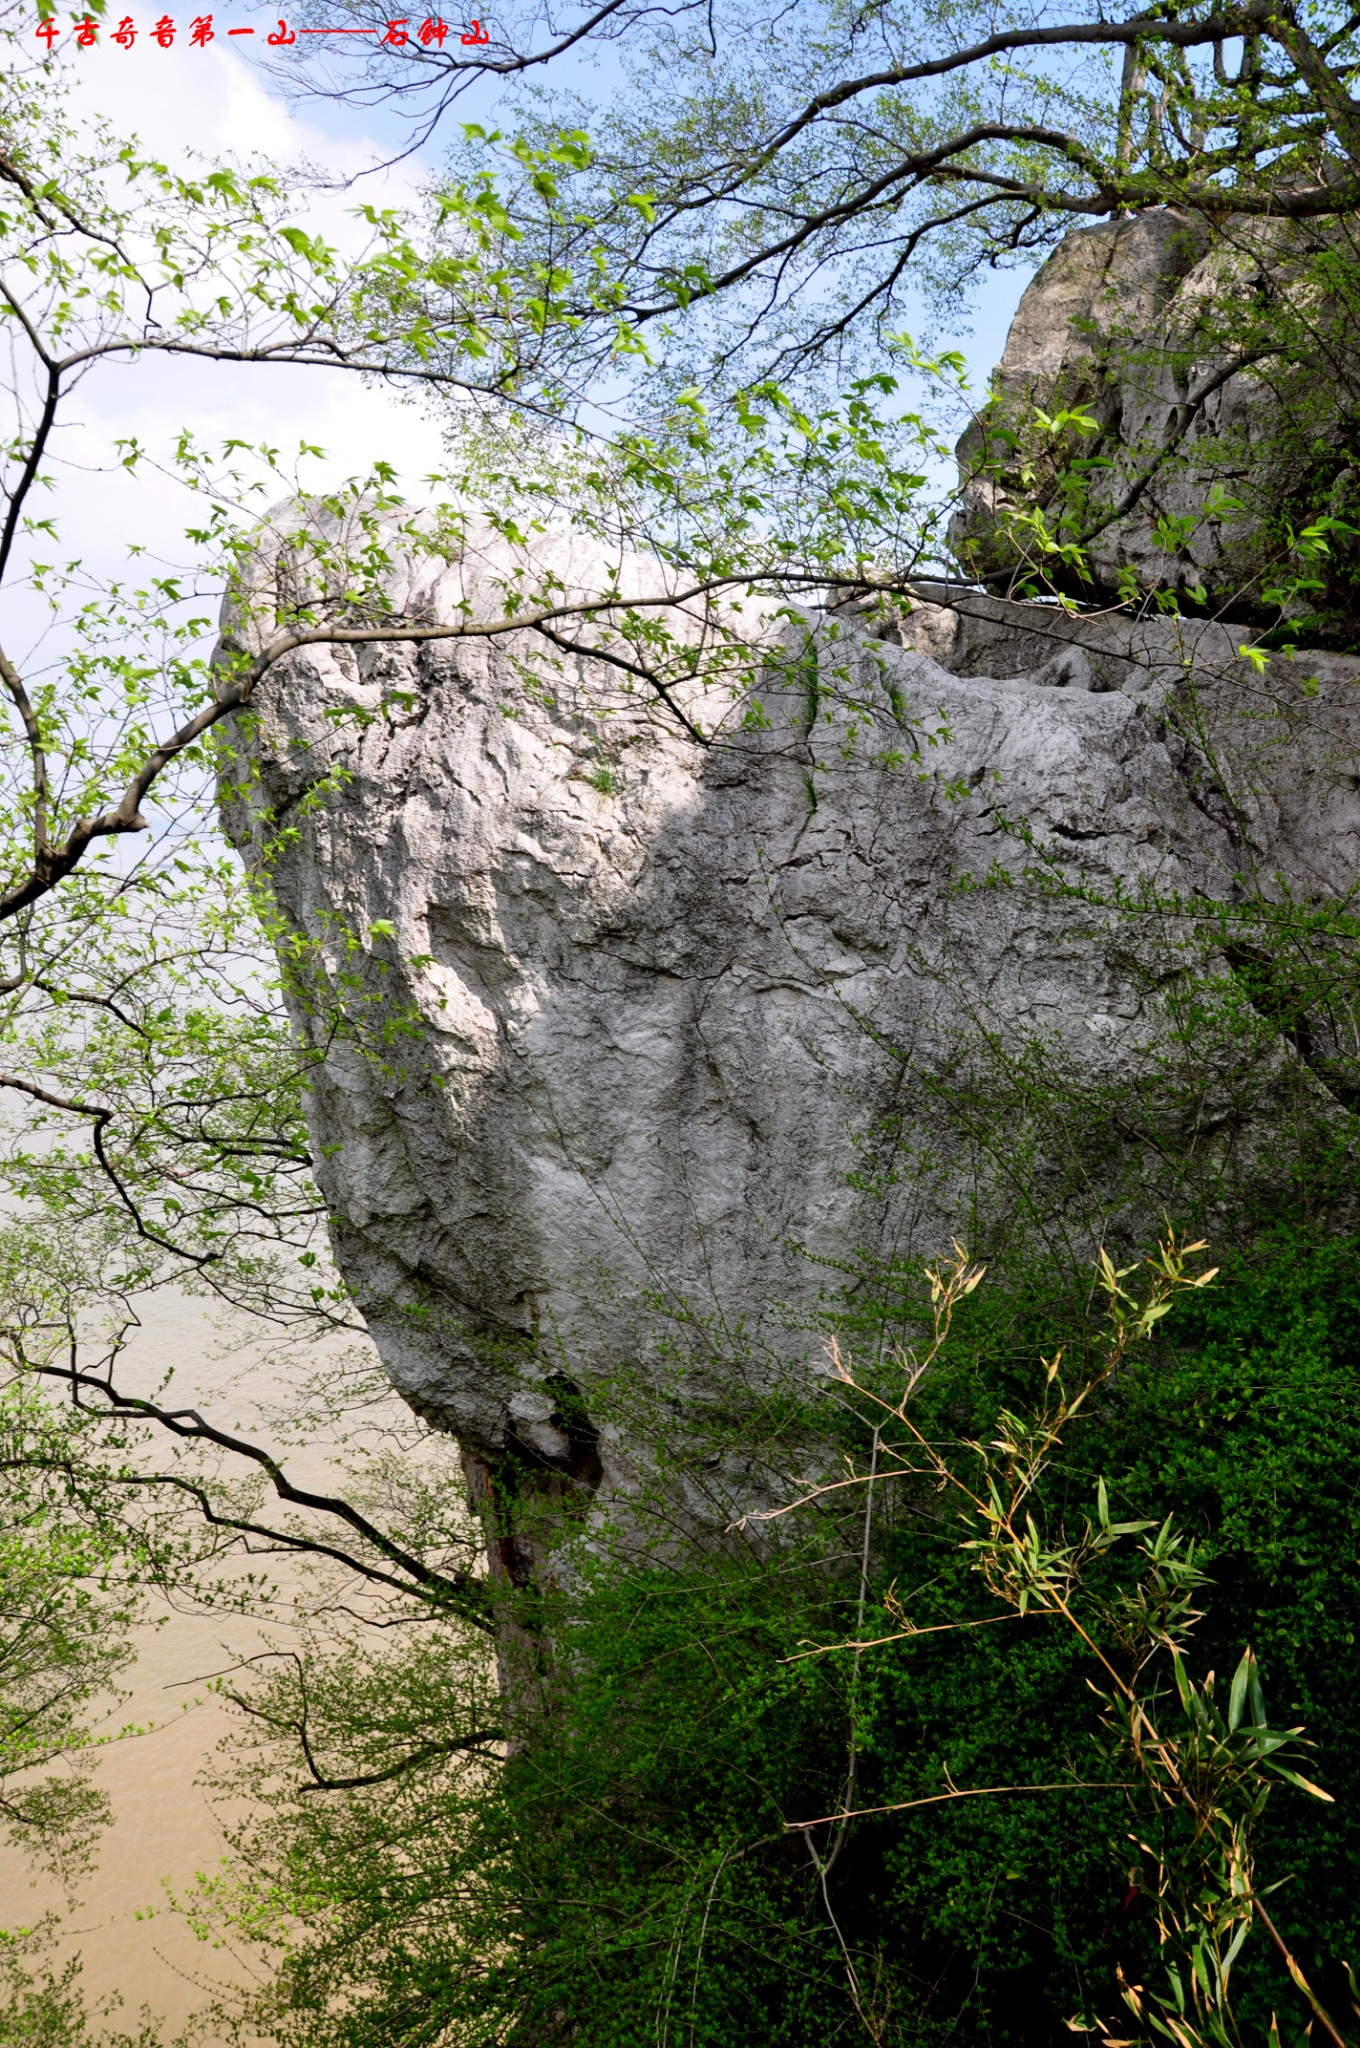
<point x="814" y="174"/>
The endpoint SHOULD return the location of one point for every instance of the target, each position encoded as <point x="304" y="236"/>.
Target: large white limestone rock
<point x="645" y="1059"/>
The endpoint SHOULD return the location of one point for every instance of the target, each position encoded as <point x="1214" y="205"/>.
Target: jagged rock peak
<point x="1222" y="372"/>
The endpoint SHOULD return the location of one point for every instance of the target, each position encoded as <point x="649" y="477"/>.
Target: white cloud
<point x="212" y="102"/>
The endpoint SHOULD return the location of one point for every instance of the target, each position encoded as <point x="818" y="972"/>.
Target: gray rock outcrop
<point x="647" y="1061"/>
<point x="1224" y="379"/>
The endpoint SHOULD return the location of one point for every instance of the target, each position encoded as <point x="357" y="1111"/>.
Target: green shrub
<point x="630" y="1875"/>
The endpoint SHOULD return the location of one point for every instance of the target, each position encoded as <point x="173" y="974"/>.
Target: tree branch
<point x="23" y="703"/>
<point x="459" y="1591"/>
<point x="1279" y="21"/>
<point x="37" y="447"/>
<point x="126" y="815"/>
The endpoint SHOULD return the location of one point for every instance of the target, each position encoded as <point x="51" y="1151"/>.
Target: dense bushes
<point x="631" y="1876"/>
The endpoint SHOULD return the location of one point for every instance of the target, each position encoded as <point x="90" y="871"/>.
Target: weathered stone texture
<point x="1220" y="368"/>
<point x="680" y="1025"/>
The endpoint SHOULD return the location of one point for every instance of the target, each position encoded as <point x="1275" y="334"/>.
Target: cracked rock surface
<point x="656" y="1052"/>
<point x="1218" y="427"/>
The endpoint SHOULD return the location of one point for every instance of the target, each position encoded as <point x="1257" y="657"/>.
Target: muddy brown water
<point x="167" y="1826"/>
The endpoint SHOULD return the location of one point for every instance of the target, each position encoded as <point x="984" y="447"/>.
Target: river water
<point x="166" y="1826"/>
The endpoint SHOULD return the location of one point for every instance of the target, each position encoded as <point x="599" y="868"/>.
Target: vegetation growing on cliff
<point x="643" y="1868"/>
<point x="639" y="1867"/>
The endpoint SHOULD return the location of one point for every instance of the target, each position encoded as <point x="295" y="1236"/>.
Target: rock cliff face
<point x="1219" y="373"/>
<point x="655" y="1059"/>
